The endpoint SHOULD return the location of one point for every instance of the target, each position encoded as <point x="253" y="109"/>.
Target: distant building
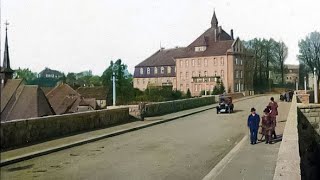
<point x="50" y="73"/>
<point x="98" y="93"/>
<point x="19" y="101"/>
<point x="291" y="75"/>
<point x="213" y="56"/>
<point x="83" y="74"/>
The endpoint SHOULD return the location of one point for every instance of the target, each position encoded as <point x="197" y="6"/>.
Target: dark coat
<point x="253" y="121"/>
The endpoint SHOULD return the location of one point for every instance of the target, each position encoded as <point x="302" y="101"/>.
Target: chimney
<point x="231" y="33"/>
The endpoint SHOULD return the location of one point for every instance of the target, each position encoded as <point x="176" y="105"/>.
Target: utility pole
<point x="114" y="88"/>
<point x="315" y="86"/>
<point x="305" y="85"/>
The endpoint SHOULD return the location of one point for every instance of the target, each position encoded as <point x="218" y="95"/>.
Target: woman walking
<point x="273" y="114"/>
<point x="266" y="125"/>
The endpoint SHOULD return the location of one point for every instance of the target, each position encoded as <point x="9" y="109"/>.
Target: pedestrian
<point x="273" y="115"/>
<point x="266" y="125"/>
<point x="287" y="97"/>
<point x="253" y="124"/>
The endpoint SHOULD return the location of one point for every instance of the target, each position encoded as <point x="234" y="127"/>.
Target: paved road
<point x="187" y="148"/>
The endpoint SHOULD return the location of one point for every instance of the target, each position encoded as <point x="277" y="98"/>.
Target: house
<point x="64" y="100"/>
<point x="20" y="101"/>
<point x="214" y="56"/>
<point x="50" y="73"/>
<point x="98" y="93"/>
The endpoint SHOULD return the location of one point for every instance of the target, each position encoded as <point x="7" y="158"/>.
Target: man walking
<point x="253" y="124"/>
<point x="273" y="115"/>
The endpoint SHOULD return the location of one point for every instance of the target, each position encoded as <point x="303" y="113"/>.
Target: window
<point x="221" y="61"/>
<point x="241" y="74"/>
<point x="199" y="62"/>
<point x="162" y="70"/>
<point x="205" y="62"/>
<point x="222" y="73"/>
<point x="155" y="70"/>
<point x="200" y="48"/>
<point x="290" y="70"/>
<point x="181" y="74"/>
<point x="187" y="75"/>
<point x="235" y="87"/>
<point x="236" y="61"/>
<point x="148" y="70"/>
<point x="181" y="87"/>
<point x="193" y="74"/>
<point x="287" y="78"/>
<point x="240" y="61"/>
<point x="215" y="73"/>
<point x="195" y="87"/>
<point x="169" y="70"/>
<point x="181" y="63"/>
<point x="199" y="73"/>
<point x="187" y="63"/>
<point x="215" y="61"/>
<point x="205" y="73"/>
<point x="141" y="70"/>
<point x="193" y="62"/>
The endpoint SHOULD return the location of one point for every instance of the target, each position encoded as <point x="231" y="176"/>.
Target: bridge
<point x="189" y="144"/>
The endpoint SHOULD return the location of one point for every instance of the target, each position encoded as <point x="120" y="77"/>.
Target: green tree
<point x="124" y="85"/>
<point x="309" y="53"/>
<point x="95" y="81"/>
<point x="71" y="80"/>
<point x="188" y="95"/>
<point x="26" y="74"/>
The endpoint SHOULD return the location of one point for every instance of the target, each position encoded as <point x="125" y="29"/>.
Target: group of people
<point x="287" y="96"/>
<point x="268" y="123"/>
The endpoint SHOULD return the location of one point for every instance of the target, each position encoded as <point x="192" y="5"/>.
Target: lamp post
<point x="114" y="89"/>
<point x="305" y="85"/>
<point x="315" y="86"/>
<point x="205" y="87"/>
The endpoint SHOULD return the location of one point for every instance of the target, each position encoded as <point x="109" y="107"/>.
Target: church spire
<point x="6" y="60"/>
<point x="214" y="20"/>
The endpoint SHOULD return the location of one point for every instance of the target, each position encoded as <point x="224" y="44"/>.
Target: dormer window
<point x="169" y="70"/>
<point x="162" y="70"/>
<point x="155" y="70"/>
<point x="148" y="70"/>
<point x="141" y="71"/>
<point x="200" y="48"/>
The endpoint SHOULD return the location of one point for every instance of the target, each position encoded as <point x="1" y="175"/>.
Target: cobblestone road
<point x="187" y="148"/>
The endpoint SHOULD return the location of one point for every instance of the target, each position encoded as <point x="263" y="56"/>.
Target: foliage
<point x="218" y="88"/>
<point x="268" y="55"/>
<point x="309" y="53"/>
<point x="188" y="95"/>
<point x="26" y="74"/>
<point x="124" y="87"/>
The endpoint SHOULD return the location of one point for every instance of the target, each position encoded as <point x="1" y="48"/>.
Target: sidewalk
<point x="32" y="151"/>
<point x="254" y="162"/>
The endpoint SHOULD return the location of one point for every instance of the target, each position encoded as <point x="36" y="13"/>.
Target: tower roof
<point x="6" y="59"/>
<point x="214" y="20"/>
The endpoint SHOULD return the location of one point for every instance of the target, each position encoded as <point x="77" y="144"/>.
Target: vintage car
<point x="225" y="104"/>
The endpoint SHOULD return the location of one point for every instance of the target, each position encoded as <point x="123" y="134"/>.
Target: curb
<point x="225" y="161"/>
<point x="97" y="138"/>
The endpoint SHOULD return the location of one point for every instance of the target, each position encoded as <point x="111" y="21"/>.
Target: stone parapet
<point x="303" y="98"/>
<point x="28" y="131"/>
<point x="288" y="162"/>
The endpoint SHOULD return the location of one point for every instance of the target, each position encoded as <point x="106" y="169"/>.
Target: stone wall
<point x="309" y="140"/>
<point x="27" y="131"/>
<point x="161" y="108"/>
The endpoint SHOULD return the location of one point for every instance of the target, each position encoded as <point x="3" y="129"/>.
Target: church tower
<point x="214" y="21"/>
<point x="6" y="71"/>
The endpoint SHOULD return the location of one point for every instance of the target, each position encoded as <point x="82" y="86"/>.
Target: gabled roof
<point x="63" y="99"/>
<point x="208" y="37"/>
<point x="88" y="102"/>
<point x="163" y="57"/>
<point x="19" y="101"/>
<point x="99" y="92"/>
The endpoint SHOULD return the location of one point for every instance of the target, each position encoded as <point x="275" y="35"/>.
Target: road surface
<point x="186" y="148"/>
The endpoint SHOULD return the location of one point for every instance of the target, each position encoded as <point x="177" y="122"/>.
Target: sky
<point x="79" y="35"/>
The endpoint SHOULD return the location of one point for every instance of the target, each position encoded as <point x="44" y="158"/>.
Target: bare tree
<point x="309" y="49"/>
<point x="281" y="53"/>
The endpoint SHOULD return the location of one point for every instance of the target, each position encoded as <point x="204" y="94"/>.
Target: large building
<point x="214" y="56"/>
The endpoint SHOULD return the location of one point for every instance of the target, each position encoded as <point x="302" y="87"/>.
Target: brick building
<point x="214" y="56"/>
